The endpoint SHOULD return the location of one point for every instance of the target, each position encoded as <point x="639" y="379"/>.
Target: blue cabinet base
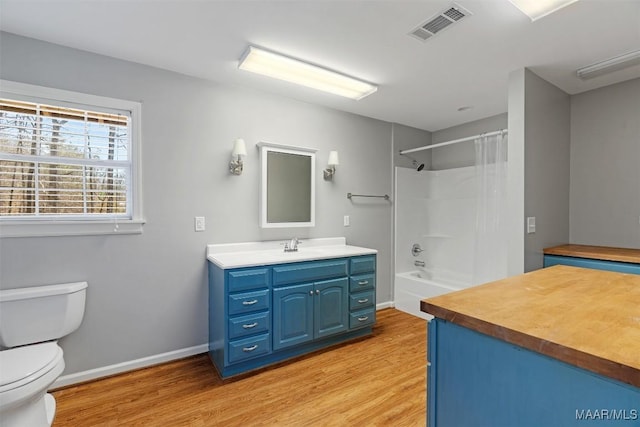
<point x="478" y="380"/>
<point x="288" y="353"/>
<point x="597" y="264"/>
<point x="262" y="315"/>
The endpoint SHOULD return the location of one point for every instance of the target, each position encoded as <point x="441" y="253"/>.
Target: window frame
<point x="41" y="227"/>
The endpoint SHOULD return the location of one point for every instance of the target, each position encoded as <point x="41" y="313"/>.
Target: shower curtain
<point x="490" y="255"/>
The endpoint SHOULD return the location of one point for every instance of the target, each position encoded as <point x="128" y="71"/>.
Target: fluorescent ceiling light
<point x="536" y="9"/>
<point x="292" y="70"/>
<point x="609" y="65"/>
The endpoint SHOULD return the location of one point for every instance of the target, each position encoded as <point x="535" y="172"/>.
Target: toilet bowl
<point x="27" y="373"/>
<point x="31" y="321"/>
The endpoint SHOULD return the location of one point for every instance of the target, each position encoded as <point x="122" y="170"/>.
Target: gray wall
<point x="547" y="147"/>
<point x="539" y="148"/>
<point x="463" y="154"/>
<point x="148" y="293"/>
<point x="515" y="172"/>
<point x="605" y="172"/>
<point x="404" y="138"/>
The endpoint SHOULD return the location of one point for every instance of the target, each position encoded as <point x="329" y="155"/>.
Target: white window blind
<point x="60" y="162"/>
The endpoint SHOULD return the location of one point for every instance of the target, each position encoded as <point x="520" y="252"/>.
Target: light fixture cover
<point x="536" y="9"/>
<point x="239" y="148"/>
<point x="282" y="67"/>
<point x="609" y="65"/>
<point x="333" y="158"/>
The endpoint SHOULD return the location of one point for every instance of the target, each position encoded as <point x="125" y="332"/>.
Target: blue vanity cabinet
<point x="362" y="296"/>
<point x="262" y="315"/>
<point x="309" y="310"/>
<point x="293" y="320"/>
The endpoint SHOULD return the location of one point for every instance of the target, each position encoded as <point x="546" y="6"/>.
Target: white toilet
<point x="31" y="319"/>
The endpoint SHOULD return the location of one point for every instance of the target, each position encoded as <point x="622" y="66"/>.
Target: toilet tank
<point x="40" y="313"/>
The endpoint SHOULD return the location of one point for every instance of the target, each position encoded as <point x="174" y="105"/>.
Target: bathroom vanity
<point x="622" y="260"/>
<point x="267" y="305"/>
<point x="554" y="347"/>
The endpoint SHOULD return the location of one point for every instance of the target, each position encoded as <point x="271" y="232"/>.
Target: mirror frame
<point x="265" y="148"/>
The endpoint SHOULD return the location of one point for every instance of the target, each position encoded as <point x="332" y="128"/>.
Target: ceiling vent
<point x="439" y="22"/>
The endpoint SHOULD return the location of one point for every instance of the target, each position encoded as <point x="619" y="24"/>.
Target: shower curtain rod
<point x="455" y="141"/>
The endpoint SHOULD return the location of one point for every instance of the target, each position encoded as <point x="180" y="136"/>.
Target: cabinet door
<point x="292" y="315"/>
<point x="331" y="307"/>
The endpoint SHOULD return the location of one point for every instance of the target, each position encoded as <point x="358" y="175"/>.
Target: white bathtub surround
<point x="435" y="209"/>
<point x="457" y="216"/>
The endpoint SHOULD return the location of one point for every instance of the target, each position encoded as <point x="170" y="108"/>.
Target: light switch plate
<point x="199" y="223"/>
<point x="347" y="221"/>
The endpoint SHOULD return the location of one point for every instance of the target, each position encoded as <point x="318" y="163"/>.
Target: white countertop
<point x="250" y="254"/>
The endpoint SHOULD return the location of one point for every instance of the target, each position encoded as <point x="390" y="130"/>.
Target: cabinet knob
<point x="250" y="325"/>
<point x="311" y="293"/>
<point x="363" y="282"/>
<point x="362" y="301"/>
<point x="317" y="292"/>
<point x="249" y="302"/>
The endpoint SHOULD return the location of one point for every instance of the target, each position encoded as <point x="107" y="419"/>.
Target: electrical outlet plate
<point x="531" y="225"/>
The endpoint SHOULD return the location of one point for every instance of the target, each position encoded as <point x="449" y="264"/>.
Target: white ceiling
<point x="422" y="84"/>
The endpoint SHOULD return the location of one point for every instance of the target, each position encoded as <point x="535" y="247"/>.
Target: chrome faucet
<point x="416" y="249"/>
<point x="291" y="245"/>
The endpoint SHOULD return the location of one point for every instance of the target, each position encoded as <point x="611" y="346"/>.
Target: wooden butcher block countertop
<point x="587" y="318"/>
<point x="596" y="252"/>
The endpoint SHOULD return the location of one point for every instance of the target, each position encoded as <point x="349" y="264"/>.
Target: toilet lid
<point x="28" y="361"/>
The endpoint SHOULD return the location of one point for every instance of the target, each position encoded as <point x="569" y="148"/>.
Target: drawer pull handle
<point x="249" y="349"/>
<point x="253" y="301"/>
<point x="363" y="282"/>
<point x="251" y="325"/>
<point x="362" y="301"/>
<point x="362" y="319"/>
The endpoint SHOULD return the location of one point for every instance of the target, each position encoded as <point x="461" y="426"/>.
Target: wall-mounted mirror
<point x="287" y="196"/>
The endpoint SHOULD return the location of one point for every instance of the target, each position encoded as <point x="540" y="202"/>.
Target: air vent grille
<point x="439" y="22"/>
<point x="454" y="14"/>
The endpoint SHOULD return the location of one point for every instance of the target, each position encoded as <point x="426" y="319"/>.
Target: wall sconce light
<point x="239" y="149"/>
<point x="333" y="162"/>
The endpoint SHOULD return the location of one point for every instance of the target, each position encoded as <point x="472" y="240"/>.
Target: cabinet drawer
<point x="309" y="271"/>
<point x="362" y="282"/>
<point x="362" y="318"/>
<point x="361" y="300"/>
<point x="365" y="264"/>
<point x="249" y="325"/>
<point x="250" y="278"/>
<point x="248" y="302"/>
<point x="249" y="347"/>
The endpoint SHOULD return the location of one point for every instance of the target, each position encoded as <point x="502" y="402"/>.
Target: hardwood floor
<point x="375" y="381"/>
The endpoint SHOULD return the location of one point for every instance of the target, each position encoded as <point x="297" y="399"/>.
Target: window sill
<point x="9" y="229"/>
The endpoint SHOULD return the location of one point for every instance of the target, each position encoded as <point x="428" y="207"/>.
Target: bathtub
<point x="413" y="286"/>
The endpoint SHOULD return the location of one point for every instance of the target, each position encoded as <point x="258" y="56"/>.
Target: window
<point x="68" y="163"/>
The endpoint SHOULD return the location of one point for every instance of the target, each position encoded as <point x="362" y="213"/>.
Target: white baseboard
<point x="119" y="368"/>
<point x="382" y="305"/>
